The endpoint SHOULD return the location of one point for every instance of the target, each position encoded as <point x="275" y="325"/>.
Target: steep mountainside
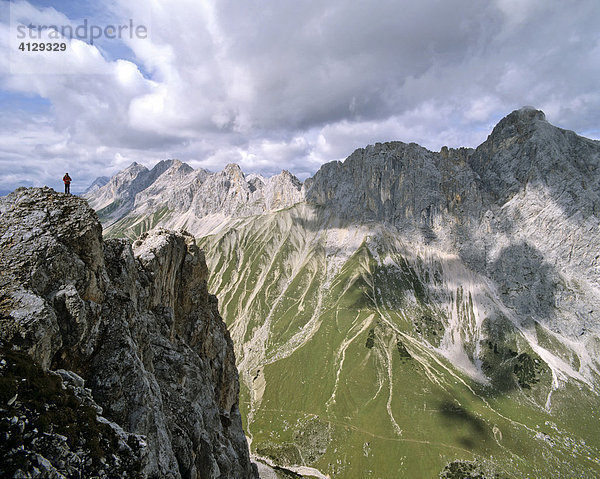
<point x="423" y="313"/>
<point x="137" y="325"/>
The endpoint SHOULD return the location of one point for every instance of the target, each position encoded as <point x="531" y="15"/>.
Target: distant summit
<point x="97" y="184"/>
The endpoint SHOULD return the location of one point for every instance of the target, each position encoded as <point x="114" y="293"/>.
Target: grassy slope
<point x="336" y="350"/>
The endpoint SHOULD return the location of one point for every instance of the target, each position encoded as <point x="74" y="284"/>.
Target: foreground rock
<point x="50" y="427"/>
<point x="136" y="323"/>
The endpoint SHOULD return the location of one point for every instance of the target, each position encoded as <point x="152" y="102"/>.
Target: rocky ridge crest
<point x="176" y="196"/>
<point x="137" y="324"/>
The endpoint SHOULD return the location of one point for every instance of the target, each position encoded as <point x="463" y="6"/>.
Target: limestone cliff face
<point x="522" y="208"/>
<point x="397" y="183"/>
<point x="136" y="323"/>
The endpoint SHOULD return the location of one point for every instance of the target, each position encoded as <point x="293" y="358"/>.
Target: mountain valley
<point x="404" y="313"/>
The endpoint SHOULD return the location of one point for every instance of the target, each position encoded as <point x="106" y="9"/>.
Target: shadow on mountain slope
<point x="527" y="288"/>
<point x="456" y="417"/>
<point x="525" y="281"/>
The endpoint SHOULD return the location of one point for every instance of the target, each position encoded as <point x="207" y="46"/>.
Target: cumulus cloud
<point x="294" y="84"/>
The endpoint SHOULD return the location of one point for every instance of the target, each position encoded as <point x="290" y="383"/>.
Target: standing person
<point x="67" y="180"/>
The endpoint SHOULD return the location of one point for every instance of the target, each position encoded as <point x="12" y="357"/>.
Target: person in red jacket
<point x="67" y="180"/>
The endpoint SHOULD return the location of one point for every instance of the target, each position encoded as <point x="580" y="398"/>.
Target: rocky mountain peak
<point x="288" y="177"/>
<point x="517" y="126"/>
<point x="133" y="170"/>
<point x="234" y="171"/>
<point x="176" y="196"/>
<point x="98" y="183"/>
<point x="531" y="112"/>
<point x="174" y="163"/>
<point x="524" y="150"/>
<point x="124" y="184"/>
<point x="181" y="166"/>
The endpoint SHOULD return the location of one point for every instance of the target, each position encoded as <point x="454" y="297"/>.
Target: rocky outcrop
<point x="51" y="427"/>
<point x="136" y="323"/>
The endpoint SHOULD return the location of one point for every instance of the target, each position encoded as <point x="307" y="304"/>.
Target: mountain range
<point x="403" y="313"/>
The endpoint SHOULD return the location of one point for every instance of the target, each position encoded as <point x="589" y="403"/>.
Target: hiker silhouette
<point x="67" y="180"/>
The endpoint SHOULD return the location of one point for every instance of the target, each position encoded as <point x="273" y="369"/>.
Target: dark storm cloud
<point x="311" y="64"/>
<point x="295" y="84"/>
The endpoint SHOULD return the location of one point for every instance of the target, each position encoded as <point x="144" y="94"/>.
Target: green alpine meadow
<point x="340" y="332"/>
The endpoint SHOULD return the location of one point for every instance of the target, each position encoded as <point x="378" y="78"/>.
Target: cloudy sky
<point x="273" y="84"/>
